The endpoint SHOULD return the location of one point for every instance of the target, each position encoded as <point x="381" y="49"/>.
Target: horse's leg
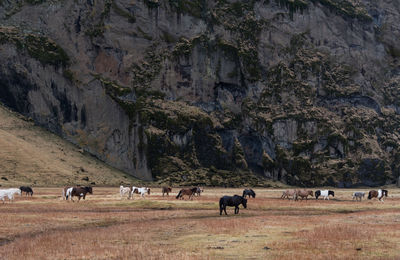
<point x="225" y="209"/>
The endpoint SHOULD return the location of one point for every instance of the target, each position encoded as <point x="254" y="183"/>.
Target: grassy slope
<point x="33" y="156"/>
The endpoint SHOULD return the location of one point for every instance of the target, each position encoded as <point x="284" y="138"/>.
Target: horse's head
<point x="385" y="192"/>
<point x="89" y="189"/>
<point x="370" y="195"/>
<point x="244" y="202"/>
<point x="331" y="192"/>
<point x="169" y="189"/>
<point x="311" y="193"/>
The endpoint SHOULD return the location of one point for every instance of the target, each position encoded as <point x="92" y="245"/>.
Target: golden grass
<point x="108" y="227"/>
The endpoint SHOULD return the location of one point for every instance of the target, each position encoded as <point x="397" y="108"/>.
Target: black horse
<point x="27" y="190"/>
<point x="249" y="192"/>
<point x="232" y="201"/>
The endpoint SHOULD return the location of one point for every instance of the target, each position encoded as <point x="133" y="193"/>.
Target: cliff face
<point x="217" y="92"/>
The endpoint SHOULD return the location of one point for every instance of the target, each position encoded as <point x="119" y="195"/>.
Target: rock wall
<point x="213" y="92"/>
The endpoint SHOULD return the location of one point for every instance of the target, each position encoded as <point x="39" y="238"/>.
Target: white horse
<point x="68" y="193"/>
<point x="124" y="190"/>
<point x="9" y="193"/>
<point x="142" y="191"/>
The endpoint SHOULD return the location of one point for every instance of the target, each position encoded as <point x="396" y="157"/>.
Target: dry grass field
<point x="108" y="227"/>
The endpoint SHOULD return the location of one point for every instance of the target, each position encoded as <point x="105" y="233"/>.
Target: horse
<point x="27" y="190"/>
<point x="248" y="192"/>
<point x="68" y="193"/>
<point x="199" y="190"/>
<point x="9" y="193"/>
<point x="142" y="191"/>
<point x="124" y="190"/>
<point x="377" y="194"/>
<point x="189" y="192"/>
<point x="287" y="193"/>
<point x="80" y="192"/>
<point x="232" y="201"/>
<point x="324" y="193"/>
<point x="303" y="194"/>
<point x="166" y="190"/>
<point x="358" y="195"/>
<point x="64" y="192"/>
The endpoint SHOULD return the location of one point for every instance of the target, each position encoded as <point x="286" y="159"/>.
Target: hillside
<point x="30" y="155"/>
<point x="213" y="92"/>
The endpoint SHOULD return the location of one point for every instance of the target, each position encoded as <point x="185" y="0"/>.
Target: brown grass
<point x="30" y="155"/>
<point x="108" y="227"/>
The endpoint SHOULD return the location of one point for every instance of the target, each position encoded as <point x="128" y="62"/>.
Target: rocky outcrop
<point x="215" y="92"/>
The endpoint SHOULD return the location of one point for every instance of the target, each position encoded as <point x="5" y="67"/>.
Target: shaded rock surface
<point x="215" y="92"/>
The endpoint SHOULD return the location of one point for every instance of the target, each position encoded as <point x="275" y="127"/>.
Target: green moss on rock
<point x="38" y="47"/>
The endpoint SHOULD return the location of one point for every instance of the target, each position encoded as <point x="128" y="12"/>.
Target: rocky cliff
<point x="216" y="92"/>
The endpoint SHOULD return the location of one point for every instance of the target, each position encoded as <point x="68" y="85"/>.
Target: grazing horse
<point x="324" y="193"/>
<point x="142" y="191"/>
<point x="124" y="190"/>
<point x="232" y="201"/>
<point x="27" y="190"/>
<point x="377" y="194"/>
<point x="189" y="192"/>
<point x="166" y="190"/>
<point x="287" y="193"/>
<point x="303" y="194"/>
<point x="358" y="195"/>
<point x="248" y="192"/>
<point x="9" y="193"/>
<point x="199" y="190"/>
<point x="80" y="192"/>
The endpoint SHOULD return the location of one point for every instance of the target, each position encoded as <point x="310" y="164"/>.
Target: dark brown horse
<point x="80" y="192"/>
<point x="166" y="190"/>
<point x="303" y="194"/>
<point x="27" y="190"/>
<point x="377" y="194"/>
<point x="188" y="192"/>
<point x="231" y="201"/>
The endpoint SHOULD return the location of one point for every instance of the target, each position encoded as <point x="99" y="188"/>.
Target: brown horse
<point x="80" y="192"/>
<point x="189" y="192"/>
<point x="377" y="194"/>
<point x="288" y="193"/>
<point x="304" y="194"/>
<point x="166" y="190"/>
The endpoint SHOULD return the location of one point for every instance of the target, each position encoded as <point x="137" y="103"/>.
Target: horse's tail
<point x="221" y="202"/>
<point x="369" y="195"/>
<point x="179" y="194"/>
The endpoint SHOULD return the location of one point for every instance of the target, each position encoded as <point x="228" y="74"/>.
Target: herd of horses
<point x="231" y="201"/>
<point x="295" y="194"/>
